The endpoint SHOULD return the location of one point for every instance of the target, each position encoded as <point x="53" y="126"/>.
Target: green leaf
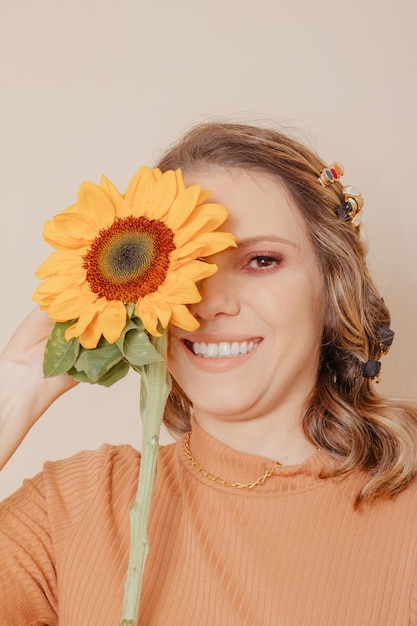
<point x="80" y="376"/>
<point x="130" y="325"/>
<point x="138" y="322"/>
<point x="115" y="374"/>
<point x="60" y="354"/>
<point x="138" y="349"/>
<point x="98" y="361"/>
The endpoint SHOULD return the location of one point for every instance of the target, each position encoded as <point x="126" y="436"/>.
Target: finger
<point x="34" y="329"/>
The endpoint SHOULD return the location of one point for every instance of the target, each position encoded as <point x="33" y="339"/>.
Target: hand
<point x="24" y="393"/>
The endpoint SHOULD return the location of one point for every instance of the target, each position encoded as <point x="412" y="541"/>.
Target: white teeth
<point x="223" y="349"/>
<point x="235" y="348"/>
<point x="212" y="350"/>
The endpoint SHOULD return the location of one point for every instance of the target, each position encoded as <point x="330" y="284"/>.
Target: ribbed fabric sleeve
<point x="291" y="552"/>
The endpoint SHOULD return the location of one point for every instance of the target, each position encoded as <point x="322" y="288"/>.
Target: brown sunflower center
<point x="130" y="259"/>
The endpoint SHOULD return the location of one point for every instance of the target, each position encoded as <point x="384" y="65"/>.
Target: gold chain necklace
<point x="222" y="481"/>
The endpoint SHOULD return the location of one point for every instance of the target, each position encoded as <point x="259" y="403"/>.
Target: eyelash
<point x="272" y="260"/>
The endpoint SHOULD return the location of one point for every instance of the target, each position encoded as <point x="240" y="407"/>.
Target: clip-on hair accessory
<point x="353" y="204"/>
<point x="372" y="368"/>
<point x="386" y="337"/>
<point x="330" y="174"/>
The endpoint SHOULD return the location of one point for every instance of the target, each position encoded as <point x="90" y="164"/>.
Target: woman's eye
<point x="263" y="261"/>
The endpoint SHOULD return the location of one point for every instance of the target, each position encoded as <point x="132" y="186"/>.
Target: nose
<point x="219" y="296"/>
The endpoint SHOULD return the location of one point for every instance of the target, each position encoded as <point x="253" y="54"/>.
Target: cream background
<point x="92" y="87"/>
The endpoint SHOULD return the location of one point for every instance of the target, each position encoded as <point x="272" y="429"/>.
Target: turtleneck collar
<point x="220" y="460"/>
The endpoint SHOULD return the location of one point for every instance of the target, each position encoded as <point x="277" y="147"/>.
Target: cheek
<point x="300" y="297"/>
<point x="313" y="297"/>
<point x="305" y="310"/>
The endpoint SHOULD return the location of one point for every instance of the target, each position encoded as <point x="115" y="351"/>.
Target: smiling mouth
<point x="222" y="349"/>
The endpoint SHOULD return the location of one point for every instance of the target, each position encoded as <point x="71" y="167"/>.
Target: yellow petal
<point x="182" y="318"/>
<point x="206" y="217"/>
<point x="71" y="209"/>
<point x="70" y="230"/>
<point x="95" y="203"/>
<point x="183" y="206"/>
<point x="88" y="327"/>
<point x="163" y="196"/>
<point x="204" y="194"/>
<point x="118" y="201"/>
<point x="71" y="304"/>
<point x="158" y="304"/>
<point x="59" y="262"/>
<point x="139" y="191"/>
<point x="204" y="245"/>
<point x="43" y="299"/>
<point x="56" y="285"/>
<point x="91" y="336"/>
<point x="196" y="270"/>
<point x="112" y="320"/>
<point x="81" y="324"/>
<point x="149" y="318"/>
<point x="157" y="173"/>
<point x="179" y="289"/>
<point x="180" y="181"/>
<point x="47" y="292"/>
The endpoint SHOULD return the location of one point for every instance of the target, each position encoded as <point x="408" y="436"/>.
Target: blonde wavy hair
<point x="346" y="417"/>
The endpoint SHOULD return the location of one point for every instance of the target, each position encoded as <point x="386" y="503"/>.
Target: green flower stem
<point x="155" y="393"/>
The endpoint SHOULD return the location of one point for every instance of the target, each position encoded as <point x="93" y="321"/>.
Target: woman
<point x="292" y="501"/>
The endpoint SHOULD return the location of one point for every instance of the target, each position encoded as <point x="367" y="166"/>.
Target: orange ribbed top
<point x="291" y="552"/>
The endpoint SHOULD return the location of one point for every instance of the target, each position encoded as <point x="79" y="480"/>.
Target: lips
<point x="222" y="349"/>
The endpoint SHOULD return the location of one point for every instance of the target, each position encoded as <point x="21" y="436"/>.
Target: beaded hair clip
<point x="352" y="206"/>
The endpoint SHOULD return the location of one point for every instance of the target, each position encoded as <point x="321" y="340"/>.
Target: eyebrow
<point x="250" y="241"/>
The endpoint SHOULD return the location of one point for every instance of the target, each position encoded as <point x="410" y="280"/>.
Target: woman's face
<point x="257" y="349"/>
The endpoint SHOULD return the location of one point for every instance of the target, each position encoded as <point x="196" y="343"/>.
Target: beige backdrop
<point x="101" y="86"/>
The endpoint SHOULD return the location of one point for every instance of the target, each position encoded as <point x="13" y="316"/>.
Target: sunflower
<point x="140" y="254"/>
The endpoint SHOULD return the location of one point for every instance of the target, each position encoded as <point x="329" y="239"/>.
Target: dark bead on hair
<point x="371" y="368"/>
<point x="385" y="336"/>
<point x="343" y="211"/>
